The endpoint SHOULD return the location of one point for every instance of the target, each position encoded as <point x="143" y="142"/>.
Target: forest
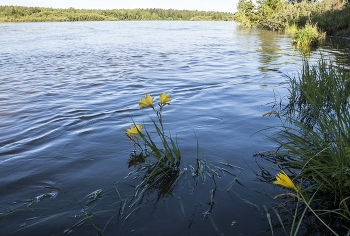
<point x="42" y="14"/>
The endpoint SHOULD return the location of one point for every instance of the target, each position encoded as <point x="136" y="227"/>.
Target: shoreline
<point x="16" y="14"/>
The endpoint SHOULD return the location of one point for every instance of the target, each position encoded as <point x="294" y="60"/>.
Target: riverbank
<point x="312" y="143"/>
<point x="330" y="16"/>
<point x="10" y="14"/>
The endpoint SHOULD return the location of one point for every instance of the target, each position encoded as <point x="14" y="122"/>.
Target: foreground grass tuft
<point x="314" y="141"/>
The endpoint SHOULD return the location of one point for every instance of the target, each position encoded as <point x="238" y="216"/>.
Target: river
<point x="69" y="90"/>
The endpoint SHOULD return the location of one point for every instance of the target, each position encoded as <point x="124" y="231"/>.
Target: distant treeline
<point x="41" y="14"/>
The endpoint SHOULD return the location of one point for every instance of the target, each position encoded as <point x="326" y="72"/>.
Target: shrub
<point x="291" y="29"/>
<point x="331" y="16"/>
<point x="309" y="36"/>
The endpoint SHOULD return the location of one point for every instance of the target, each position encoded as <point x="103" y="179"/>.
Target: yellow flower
<point x="147" y="102"/>
<point x="134" y="130"/>
<point x="284" y="180"/>
<point x="164" y="98"/>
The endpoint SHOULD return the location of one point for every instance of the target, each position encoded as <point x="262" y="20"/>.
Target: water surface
<point x="69" y="90"/>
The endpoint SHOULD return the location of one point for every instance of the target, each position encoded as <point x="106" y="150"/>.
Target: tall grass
<point x="314" y="139"/>
<point x="291" y="29"/>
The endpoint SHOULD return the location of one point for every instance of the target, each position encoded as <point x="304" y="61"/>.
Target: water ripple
<point x="69" y="90"/>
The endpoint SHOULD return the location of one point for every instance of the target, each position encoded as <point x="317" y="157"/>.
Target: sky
<point x="201" y="5"/>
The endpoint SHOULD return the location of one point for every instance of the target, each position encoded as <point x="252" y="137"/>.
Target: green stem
<point x="295" y="217"/>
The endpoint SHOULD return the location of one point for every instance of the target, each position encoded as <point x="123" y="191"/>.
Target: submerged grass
<point x="111" y="207"/>
<point x="314" y="140"/>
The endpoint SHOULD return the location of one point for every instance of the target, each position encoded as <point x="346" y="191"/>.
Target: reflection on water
<point x="68" y="92"/>
<point x="270" y="49"/>
<point x="136" y="159"/>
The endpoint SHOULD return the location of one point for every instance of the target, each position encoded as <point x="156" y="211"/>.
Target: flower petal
<point x="164" y="98"/>
<point x="284" y="180"/>
<point x="147" y="102"/>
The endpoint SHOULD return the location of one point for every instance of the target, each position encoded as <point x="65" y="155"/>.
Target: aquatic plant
<point x="291" y="29"/>
<point x="308" y="36"/>
<point x="314" y="140"/>
<point x="165" y="172"/>
<point x="284" y="180"/>
<point x="169" y="154"/>
<point x="134" y="130"/>
<point x="155" y="175"/>
<point x="147" y="102"/>
<point x="313" y="90"/>
<point x="164" y="100"/>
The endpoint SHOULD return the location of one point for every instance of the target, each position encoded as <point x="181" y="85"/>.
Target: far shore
<point x="16" y="14"/>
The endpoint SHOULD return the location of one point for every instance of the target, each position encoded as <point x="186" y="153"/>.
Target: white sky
<point x="201" y="5"/>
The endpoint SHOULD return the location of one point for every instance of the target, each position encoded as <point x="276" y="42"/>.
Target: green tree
<point x="245" y="5"/>
<point x="271" y="4"/>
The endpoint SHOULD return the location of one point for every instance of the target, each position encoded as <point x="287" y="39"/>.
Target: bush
<point x="309" y="36"/>
<point x="291" y="29"/>
<point x="331" y="16"/>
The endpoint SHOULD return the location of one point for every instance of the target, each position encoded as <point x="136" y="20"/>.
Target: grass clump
<point x="291" y="29"/>
<point x="314" y="140"/>
<point x="308" y="36"/>
<point x="167" y="156"/>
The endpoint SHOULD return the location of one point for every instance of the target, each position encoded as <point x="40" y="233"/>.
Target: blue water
<point x="69" y="90"/>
